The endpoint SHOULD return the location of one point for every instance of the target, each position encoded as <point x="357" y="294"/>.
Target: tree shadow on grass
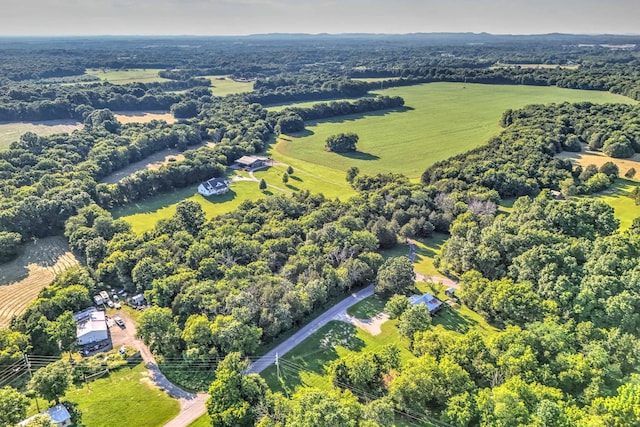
<point x="359" y="155"/>
<point x="300" y="134"/>
<point x="292" y="187"/>
<point x="295" y="178"/>
<point x="267" y="192"/>
<point x="451" y="319"/>
<point x="222" y="198"/>
<point x="352" y="117"/>
<point x="307" y="361"/>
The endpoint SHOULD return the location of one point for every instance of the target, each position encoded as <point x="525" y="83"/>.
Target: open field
<point x="11" y="131"/>
<point x="439" y="120"/>
<point x="144" y="215"/>
<point x="598" y="158"/>
<point x="22" y="279"/>
<point x="203" y="421"/>
<point x="224" y="85"/>
<point x="126" y="398"/>
<point x="121" y="77"/>
<point x="125" y="117"/>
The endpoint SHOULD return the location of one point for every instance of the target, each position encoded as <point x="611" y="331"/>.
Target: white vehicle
<point x="119" y="321"/>
<point x="110" y="303"/>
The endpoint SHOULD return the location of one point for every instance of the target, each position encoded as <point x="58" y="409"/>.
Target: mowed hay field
<point x="22" y="279"/>
<point x="11" y="131"/>
<point x="597" y="158"/>
<point x="440" y="120"/>
<point x="121" y="77"/>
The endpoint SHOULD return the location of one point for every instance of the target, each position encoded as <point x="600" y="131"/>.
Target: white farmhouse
<point x="214" y="186"/>
<point x="91" y="326"/>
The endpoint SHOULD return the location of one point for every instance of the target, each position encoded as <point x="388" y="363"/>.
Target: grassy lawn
<point x="305" y="179"/>
<point x="10" y="132"/>
<point x="125" y="398"/>
<point x="203" y="421"/>
<point x="224" y="85"/>
<point x="144" y="214"/>
<point x="121" y="77"/>
<point x="440" y="120"/>
<point x="427" y="249"/>
<point x="367" y="308"/>
<point x="618" y="197"/>
<point x="330" y="342"/>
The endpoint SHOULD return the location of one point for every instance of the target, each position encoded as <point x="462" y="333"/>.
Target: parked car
<point x="110" y="303"/>
<point x="117" y="306"/>
<point x="119" y="321"/>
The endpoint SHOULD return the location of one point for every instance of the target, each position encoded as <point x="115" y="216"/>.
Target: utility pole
<point x="28" y="364"/>
<point x="277" y="367"/>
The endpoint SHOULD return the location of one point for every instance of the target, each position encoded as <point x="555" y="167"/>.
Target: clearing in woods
<point x="125" y="117"/>
<point x="122" y="77"/>
<point x="225" y="85"/>
<point x="11" y="131"/>
<point x="22" y="279"/>
<point x="439" y="120"/>
<point x="597" y="158"/>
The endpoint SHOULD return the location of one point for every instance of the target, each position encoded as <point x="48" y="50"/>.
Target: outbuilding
<point x="60" y="416"/>
<point x="252" y="162"/>
<point x="91" y="326"/>
<point x="432" y="303"/>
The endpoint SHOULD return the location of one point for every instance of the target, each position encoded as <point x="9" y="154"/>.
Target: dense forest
<point x="557" y="277"/>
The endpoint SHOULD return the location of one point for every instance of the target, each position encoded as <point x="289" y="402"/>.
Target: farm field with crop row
<point x="22" y="279"/>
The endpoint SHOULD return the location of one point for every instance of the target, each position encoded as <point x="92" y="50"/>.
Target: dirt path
<point x="192" y="405"/>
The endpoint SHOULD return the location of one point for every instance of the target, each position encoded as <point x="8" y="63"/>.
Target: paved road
<point x="337" y="312"/>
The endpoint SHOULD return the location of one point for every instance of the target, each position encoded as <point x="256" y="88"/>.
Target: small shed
<point x="449" y="292"/>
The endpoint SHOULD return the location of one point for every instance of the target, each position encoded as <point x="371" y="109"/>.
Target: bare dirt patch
<point x="597" y="158"/>
<point x="22" y="279"/>
<point x="125" y="117"/>
<point x="372" y="325"/>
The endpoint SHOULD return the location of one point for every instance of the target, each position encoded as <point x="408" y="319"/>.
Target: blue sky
<point x="55" y="17"/>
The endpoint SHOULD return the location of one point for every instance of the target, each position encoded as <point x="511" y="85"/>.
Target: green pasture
<point x="121" y="77"/>
<point x="224" y="85"/>
<point x="439" y="120"/>
<point x="126" y="397"/>
<point x="144" y="215"/>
